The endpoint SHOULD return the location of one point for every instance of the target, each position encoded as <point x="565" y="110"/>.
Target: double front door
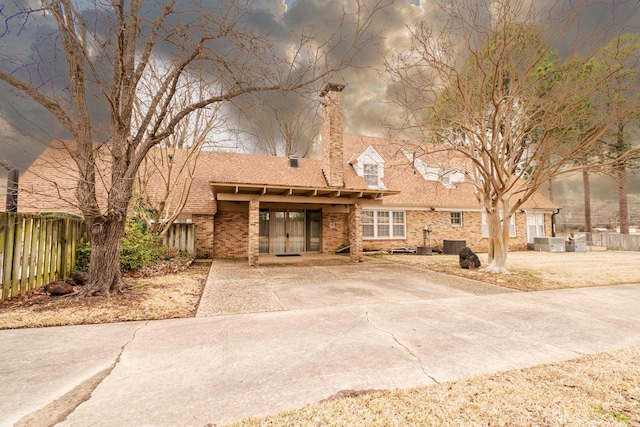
<point x="288" y="231"/>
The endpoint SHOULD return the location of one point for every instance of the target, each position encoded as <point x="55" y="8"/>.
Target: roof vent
<point x="293" y="162"/>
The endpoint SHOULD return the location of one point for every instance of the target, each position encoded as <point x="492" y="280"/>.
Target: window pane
<point x="371" y="175"/>
<point x="383" y="224"/>
<point x="456" y="218"/>
<point x="367" y="230"/>
<point x="398" y="224"/>
<point x="512" y="226"/>
<point x="398" y="230"/>
<point x="367" y="217"/>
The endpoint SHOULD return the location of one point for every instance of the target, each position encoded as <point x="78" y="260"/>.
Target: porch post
<point x="254" y="232"/>
<point x="355" y="232"/>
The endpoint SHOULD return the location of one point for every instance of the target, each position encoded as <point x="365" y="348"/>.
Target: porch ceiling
<point x="227" y="191"/>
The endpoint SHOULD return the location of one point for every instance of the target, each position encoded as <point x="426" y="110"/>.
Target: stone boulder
<point x="59" y="287"/>
<point x="468" y="259"/>
<point x="79" y="278"/>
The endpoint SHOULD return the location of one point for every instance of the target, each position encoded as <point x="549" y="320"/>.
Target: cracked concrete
<point x="39" y="366"/>
<point x="58" y="410"/>
<point x="413" y="354"/>
<point x="402" y="332"/>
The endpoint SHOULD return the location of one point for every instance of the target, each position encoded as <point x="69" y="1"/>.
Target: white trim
<point x="369" y="156"/>
<point x="537" y="216"/>
<point x="390" y="224"/>
<point x="461" y="218"/>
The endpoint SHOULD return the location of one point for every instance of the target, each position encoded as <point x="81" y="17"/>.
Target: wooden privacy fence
<point x="621" y="242"/>
<point x="36" y="249"/>
<point x="181" y="236"/>
<point x="611" y="241"/>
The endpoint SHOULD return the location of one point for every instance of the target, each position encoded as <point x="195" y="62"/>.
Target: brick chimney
<point x="332" y="138"/>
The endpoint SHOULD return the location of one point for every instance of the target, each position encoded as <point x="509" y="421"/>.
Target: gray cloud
<point x="25" y="128"/>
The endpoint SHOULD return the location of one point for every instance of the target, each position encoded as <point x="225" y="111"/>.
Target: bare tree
<point x="488" y="86"/>
<point x="281" y="123"/>
<point x="164" y="179"/>
<point x="104" y="48"/>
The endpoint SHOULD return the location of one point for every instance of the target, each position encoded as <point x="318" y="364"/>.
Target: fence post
<point x="17" y="251"/>
<point x="9" y="238"/>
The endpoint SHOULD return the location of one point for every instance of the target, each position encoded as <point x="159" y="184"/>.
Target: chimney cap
<point x="331" y="87"/>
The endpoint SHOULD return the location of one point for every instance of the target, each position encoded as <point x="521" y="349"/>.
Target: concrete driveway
<point x="299" y="283"/>
<point x="393" y="327"/>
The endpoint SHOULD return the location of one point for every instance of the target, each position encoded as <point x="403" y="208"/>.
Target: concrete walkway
<point x="219" y="369"/>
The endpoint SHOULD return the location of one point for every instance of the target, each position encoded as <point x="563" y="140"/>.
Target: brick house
<point x="366" y="192"/>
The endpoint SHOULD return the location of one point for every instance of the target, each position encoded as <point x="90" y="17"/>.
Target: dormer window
<point x="370" y="166"/>
<point x="371" y="175"/>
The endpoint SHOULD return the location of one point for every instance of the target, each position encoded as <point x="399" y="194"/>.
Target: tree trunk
<point x="623" y="205"/>
<point x="498" y="242"/>
<point x="550" y="189"/>
<point x="104" y="265"/>
<point x="586" y="185"/>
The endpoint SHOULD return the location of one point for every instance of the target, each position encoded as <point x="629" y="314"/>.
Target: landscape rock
<point x="468" y="259"/>
<point x="59" y="287"/>
<point x="79" y="278"/>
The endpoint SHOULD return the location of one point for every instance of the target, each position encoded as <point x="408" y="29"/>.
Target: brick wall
<point x="337" y="237"/>
<point x="204" y="235"/>
<point x="332" y="135"/>
<point x="440" y="222"/>
<point x="355" y="232"/>
<point x="232" y="234"/>
<point x="254" y="232"/>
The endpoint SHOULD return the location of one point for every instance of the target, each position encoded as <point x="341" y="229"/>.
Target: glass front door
<point x="288" y="231"/>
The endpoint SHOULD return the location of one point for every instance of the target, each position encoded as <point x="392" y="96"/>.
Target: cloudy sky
<point x="26" y="129"/>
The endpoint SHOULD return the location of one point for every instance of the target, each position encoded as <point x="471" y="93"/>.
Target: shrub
<point x="139" y="249"/>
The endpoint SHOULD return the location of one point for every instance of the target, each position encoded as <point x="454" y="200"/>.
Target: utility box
<point x="453" y="247"/>
<point x="577" y="246"/>
<point x="549" y="244"/>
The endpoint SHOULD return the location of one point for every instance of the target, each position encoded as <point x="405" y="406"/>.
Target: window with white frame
<point x="383" y="224"/>
<point x="535" y="226"/>
<point x="485" y="225"/>
<point x="370" y="166"/>
<point x="456" y="219"/>
<point x="368" y="224"/>
<point x="371" y="177"/>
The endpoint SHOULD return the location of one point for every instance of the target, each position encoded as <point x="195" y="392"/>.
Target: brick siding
<point x="440" y="222"/>
<point x="337" y="237"/>
<point x="355" y="232"/>
<point x="204" y="235"/>
<point x="231" y="239"/>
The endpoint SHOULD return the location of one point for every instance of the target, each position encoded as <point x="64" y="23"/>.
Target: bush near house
<point x="140" y="248"/>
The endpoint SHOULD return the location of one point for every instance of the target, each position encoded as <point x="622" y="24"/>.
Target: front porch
<point x="262" y="221"/>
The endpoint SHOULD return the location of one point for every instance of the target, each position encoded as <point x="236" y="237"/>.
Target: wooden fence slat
<point x="33" y="258"/>
<point x="26" y="253"/>
<point x="8" y="254"/>
<point x="181" y="236"/>
<point x="48" y="250"/>
<point x="3" y="235"/>
<point x="42" y="251"/>
<point x="55" y="241"/>
<point x="17" y="252"/>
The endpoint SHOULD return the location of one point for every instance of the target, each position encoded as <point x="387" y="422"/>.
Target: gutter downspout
<point x="553" y="222"/>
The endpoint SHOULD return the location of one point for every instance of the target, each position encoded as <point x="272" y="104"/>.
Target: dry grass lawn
<point x="597" y="390"/>
<point x="535" y="271"/>
<point x="151" y="294"/>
